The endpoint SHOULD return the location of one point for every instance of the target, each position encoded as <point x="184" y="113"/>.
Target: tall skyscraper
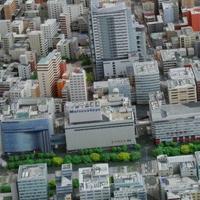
<point x="112" y="33"/>
<point x="78" y="85"/>
<point x="48" y="73"/>
<point x="49" y="29"/>
<point x="38" y="43"/>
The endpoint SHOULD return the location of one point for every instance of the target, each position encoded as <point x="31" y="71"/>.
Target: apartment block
<point x="78" y="85"/>
<point x="181" y="86"/>
<point x="48" y="70"/>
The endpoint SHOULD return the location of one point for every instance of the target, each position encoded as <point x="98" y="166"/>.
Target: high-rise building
<point x="5" y="26"/>
<point x="24" y="71"/>
<point x="65" y="26"/>
<point x="9" y="9"/>
<point x="55" y="7"/>
<point x="38" y="43"/>
<point x="48" y="73"/>
<point x="112" y="33"/>
<point x="49" y="29"/>
<point x="187" y="3"/>
<point x="94" y="182"/>
<point x="78" y="85"/>
<point x="32" y="182"/>
<point x="170" y="11"/>
<point x="74" y="11"/>
<point x="146" y="79"/>
<point x="7" y="41"/>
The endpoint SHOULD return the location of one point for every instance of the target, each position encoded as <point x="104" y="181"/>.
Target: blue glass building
<point x="26" y="135"/>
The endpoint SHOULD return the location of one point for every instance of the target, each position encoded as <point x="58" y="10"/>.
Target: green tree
<point x="113" y="157"/>
<point x="157" y="151"/>
<point x="75" y="183"/>
<point x="114" y="149"/>
<point x="123" y="156"/>
<point x="57" y="161"/>
<point x="105" y="157"/>
<point x="67" y="159"/>
<point x="90" y="77"/>
<point x="76" y="159"/>
<point x="95" y="157"/>
<point x="52" y="184"/>
<point x="137" y="146"/>
<point x="124" y="148"/>
<point x="185" y="149"/>
<point x="86" y="159"/>
<point x="135" y="156"/>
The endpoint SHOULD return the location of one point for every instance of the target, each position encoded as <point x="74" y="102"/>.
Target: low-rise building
<point x="178" y="122"/>
<point x="129" y="185"/>
<point x="64" y="182"/>
<point x="32" y="182"/>
<point x="94" y="182"/>
<point x="90" y="125"/>
<point x="176" y="187"/>
<point x="28" y="125"/>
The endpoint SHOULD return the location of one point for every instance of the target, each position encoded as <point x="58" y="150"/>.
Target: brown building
<point x="9" y="9"/>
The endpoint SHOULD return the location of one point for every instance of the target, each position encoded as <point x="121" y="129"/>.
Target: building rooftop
<point x="100" y="84"/>
<point x="156" y="99"/>
<point x="28" y="172"/>
<point x="180" y="83"/>
<point x="46" y="60"/>
<point x="145" y="68"/>
<point x="29" y="108"/>
<point x="181" y="73"/>
<point x="196" y="69"/>
<point x="98" y="112"/>
<point x="179" y="185"/>
<point x="128" y="178"/>
<point x="103" y="7"/>
<point x="175" y="111"/>
<point x="94" y="178"/>
<point x="170" y="54"/>
<point x="8" y="2"/>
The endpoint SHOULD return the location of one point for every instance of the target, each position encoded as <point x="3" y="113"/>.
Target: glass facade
<point x="26" y="135"/>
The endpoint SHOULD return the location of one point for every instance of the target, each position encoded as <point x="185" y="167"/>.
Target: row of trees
<point x="86" y="156"/>
<point x="175" y="149"/>
<point x="57" y="161"/>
